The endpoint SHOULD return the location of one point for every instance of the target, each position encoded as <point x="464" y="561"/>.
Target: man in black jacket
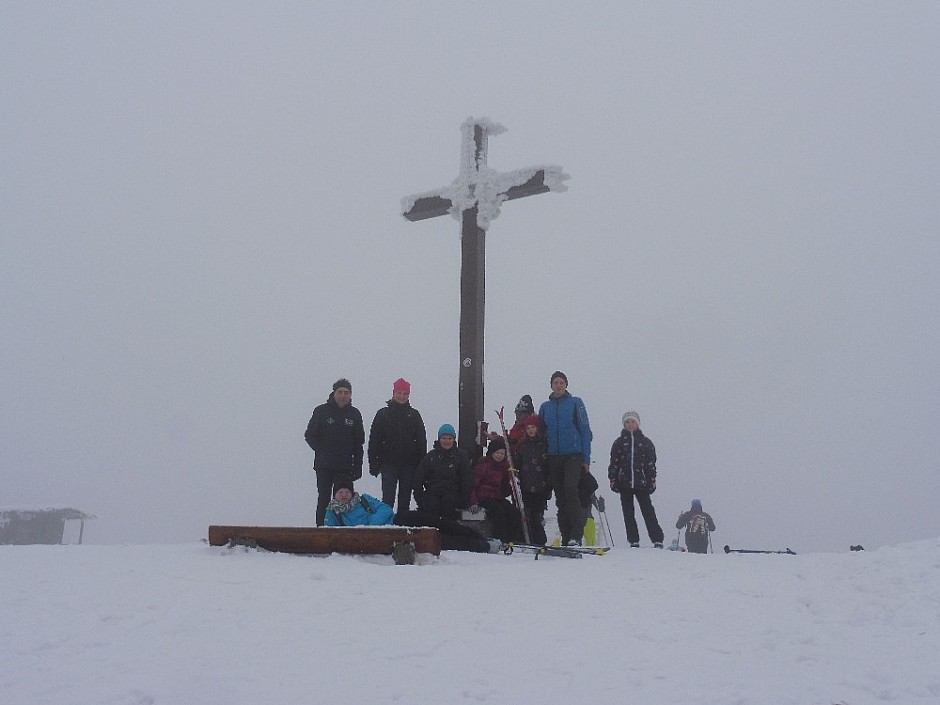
<point x="336" y="435"/>
<point x="397" y="443"/>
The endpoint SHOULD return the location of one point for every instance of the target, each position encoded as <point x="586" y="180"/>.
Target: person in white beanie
<point x="632" y="473"/>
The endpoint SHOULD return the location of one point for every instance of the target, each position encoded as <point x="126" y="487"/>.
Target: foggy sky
<point x="200" y="233"/>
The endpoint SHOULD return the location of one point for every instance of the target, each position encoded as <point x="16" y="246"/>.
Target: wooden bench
<point x="320" y="539"/>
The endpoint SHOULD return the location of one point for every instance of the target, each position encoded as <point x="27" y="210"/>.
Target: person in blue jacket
<point x="349" y="508"/>
<point x="568" y="432"/>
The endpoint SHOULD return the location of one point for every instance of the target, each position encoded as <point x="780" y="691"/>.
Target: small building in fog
<point x="29" y="526"/>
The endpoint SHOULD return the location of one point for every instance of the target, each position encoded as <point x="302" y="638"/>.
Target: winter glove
<point x="475" y="508"/>
<point x="652" y="485"/>
<point x="614" y="485"/>
<point x="600" y="504"/>
<point x="374" y="472"/>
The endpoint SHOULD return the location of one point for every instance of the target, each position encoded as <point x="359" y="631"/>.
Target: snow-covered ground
<point x="191" y="624"/>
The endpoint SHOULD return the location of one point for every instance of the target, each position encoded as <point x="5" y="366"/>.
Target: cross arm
<point x="532" y="187"/>
<point x="424" y="207"/>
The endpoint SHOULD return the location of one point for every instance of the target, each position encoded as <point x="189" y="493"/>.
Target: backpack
<point x="697" y="524"/>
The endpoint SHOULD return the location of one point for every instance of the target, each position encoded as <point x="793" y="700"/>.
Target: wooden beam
<point x="429" y="207"/>
<point x="532" y="187"/>
<point x="313" y="539"/>
<point x="472" y="312"/>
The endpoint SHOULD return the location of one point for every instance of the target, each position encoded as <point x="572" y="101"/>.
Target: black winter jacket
<point x="336" y="436"/>
<point x="397" y="437"/>
<point x="632" y="460"/>
<point x="531" y="458"/>
<point x="444" y="473"/>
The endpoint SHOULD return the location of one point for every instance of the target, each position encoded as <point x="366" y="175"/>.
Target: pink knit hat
<point x="401" y="385"/>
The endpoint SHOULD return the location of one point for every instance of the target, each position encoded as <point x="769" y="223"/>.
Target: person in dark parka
<point x="531" y="458"/>
<point x="632" y="473"/>
<point x="336" y="435"/>
<point x="443" y="479"/>
<point x="397" y="443"/>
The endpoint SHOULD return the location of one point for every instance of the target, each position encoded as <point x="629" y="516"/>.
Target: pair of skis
<point x="556" y="551"/>
<point x="514" y="479"/>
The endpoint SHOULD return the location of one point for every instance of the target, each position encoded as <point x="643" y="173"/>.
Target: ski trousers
<point x="653" y="528"/>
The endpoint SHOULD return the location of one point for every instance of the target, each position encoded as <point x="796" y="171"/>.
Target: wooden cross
<point x="474" y="198"/>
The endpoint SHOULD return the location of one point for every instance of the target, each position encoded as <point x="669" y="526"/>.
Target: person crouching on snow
<point x="443" y="479"/>
<point x="698" y="526"/>
<point x="491" y="486"/>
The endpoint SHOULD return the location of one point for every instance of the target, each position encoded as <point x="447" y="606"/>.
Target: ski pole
<point x="609" y="534"/>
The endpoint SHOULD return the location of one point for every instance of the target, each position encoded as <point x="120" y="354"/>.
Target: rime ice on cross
<point x="475" y="198"/>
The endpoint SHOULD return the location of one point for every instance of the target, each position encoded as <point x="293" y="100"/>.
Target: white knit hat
<point x="631" y="415"/>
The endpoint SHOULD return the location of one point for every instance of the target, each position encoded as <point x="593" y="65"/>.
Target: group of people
<point x="549" y="450"/>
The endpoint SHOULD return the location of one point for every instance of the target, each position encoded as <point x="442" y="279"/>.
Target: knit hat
<point x="532" y="420"/>
<point x="401" y="385"/>
<point x="495" y="445"/>
<point x="446" y="430"/>
<point x="696" y="504"/>
<point x="343" y="383"/>
<point x="342" y="482"/>
<point x="631" y="415"/>
<point x="525" y="405"/>
<point x="559" y="374"/>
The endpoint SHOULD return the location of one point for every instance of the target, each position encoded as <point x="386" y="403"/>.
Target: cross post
<point x="474" y="198"/>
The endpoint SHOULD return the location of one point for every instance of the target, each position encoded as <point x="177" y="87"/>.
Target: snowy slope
<point x="192" y="624"/>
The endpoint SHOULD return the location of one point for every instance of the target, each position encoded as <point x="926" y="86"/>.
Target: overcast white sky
<point x="200" y="233"/>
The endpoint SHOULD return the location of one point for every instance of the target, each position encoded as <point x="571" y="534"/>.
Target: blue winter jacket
<point x="566" y="426"/>
<point x="378" y="513"/>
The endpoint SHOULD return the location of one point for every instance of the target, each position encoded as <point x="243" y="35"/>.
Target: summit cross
<point x="474" y="198"/>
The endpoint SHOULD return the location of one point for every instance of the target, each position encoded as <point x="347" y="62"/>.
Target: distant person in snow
<point x="632" y="473"/>
<point x="443" y="479"/>
<point x="566" y="427"/>
<point x="397" y="443"/>
<point x="336" y="435"/>
<point x="698" y="526"/>
<point x="349" y="508"/>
